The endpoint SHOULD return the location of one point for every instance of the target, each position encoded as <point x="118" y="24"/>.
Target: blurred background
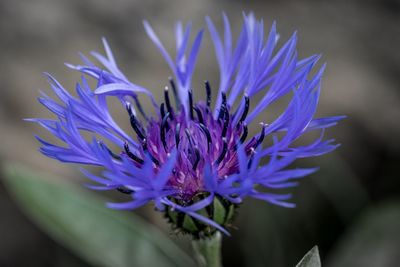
<point x="350" y="208"/>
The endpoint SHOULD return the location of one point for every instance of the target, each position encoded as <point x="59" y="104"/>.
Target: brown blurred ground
<point x="358" y="39"/>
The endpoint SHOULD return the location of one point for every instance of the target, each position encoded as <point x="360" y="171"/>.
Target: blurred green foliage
<point x="373" y="240"/>
<point x="80" y="221"/>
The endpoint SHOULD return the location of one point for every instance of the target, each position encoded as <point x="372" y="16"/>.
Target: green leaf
<point x="311" y="259"/>
<point x="79" y="220"/>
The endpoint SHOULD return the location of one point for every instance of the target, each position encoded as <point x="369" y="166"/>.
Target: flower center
<point x="199" y="137"/>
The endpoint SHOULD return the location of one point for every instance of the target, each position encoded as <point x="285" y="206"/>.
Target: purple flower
<point x="193" y="158"/>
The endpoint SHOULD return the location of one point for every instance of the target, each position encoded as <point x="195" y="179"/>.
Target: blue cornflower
<point x="195" y="162"/>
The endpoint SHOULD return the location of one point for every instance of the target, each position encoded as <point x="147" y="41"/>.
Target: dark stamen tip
<point x="197" y="160"/>
<point x="244" y="134"/>
<point x="135" y="123"/>
<point x="131" y="155"/>
<point x="177" y="134"/>
<point x="128" y="108"/>
<point x="112" y="154"/>
<point x="189" y="137"/>
<point x="208" y="92"/>
<point x="226" y="123"/>
<point x="140" y="108"/>
<point x="223" y="108"/>
<point x="145" y="149"/>
<point x="246" y="109"/>
<point x="190" y="94"/>
<point x="163" y="128"/>
<point x="199" y="115"/>
<point x="223" y="152"/>
<point x="207" y="134"/>
<point x="124" y="190"/>
<point x="252" y="152"/>
<point x="167" y="101"/>
<point x="223" y="94"/>
<point x="261" y="137"/>
<point x="172" y="83"/>
<point x="162" y="110"/>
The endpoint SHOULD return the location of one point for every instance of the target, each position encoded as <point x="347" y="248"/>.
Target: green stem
<point x="208" y="251"/>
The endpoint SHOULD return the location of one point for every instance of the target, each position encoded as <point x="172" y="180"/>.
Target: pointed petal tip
<point x="30" y="119"/>
<point x="323" y="67"/>
<point x="337" y="145"/>
<point x="69" y="65"/>
<point x="46" y="74"/>
<point x="147" y="25"/>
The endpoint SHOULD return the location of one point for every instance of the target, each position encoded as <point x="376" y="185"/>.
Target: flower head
<point x="194" y="158"/>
